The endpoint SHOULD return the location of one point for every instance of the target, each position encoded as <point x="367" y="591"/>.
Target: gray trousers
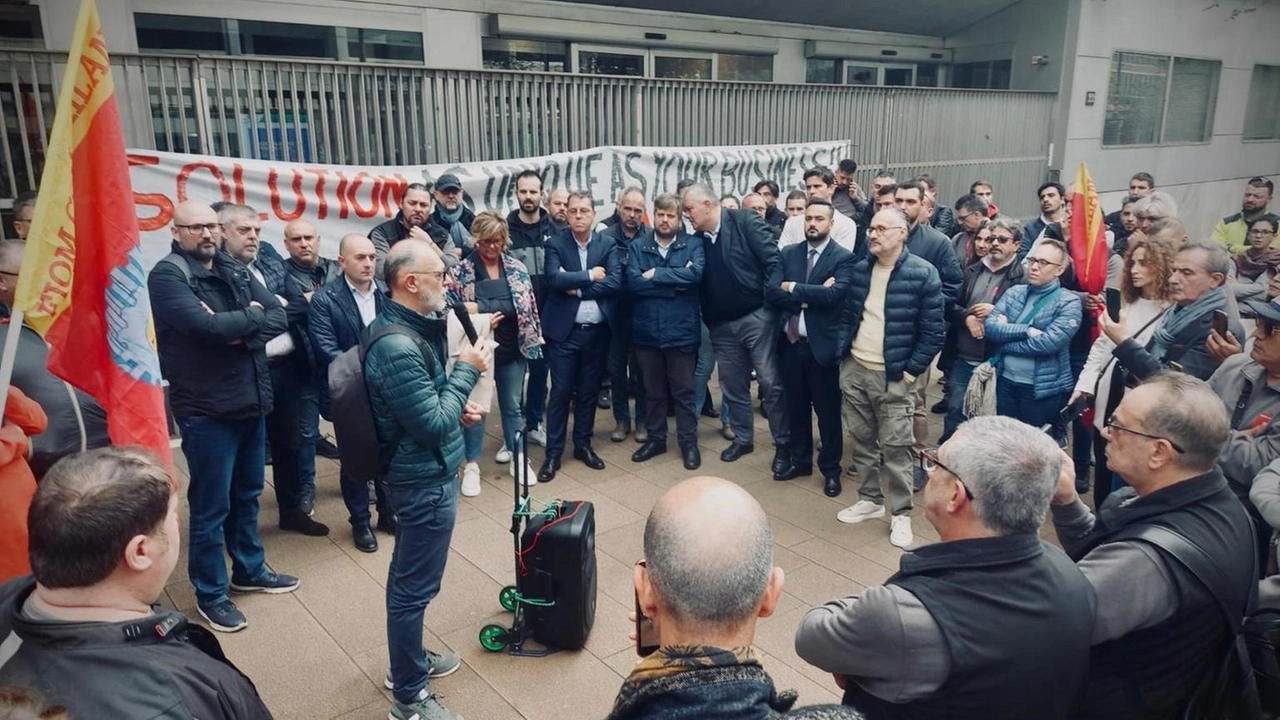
<point x="878" y="417"/>
<point x="740" y="345"/>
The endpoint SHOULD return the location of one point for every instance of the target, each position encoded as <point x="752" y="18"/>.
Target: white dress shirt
<point x="282" y="344"/>
<point x="843" y="230"/>
<point x="588" y="310"/>
<point x="366" y="302"/>
<point x="802" y="330"/>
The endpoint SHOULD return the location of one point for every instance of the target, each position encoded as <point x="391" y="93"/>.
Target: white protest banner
<point x="342" y="199"/>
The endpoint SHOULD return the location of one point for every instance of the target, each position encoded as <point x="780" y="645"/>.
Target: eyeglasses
<point x="1266" y="326"/>
<point x="1000" y="239"/>
<point x="1261" y="233"/>
<point x="198" y="228"/>
<point x="1112" y="425"/>
<point x="437" y="274"/>
<point x="1039" y="262"/>
<point x="491" y="243"/>
<point x="930" y="462"/>
<point x="880" y="229"/>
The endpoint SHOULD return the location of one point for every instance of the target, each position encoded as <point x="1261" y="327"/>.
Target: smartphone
<point x="1113" y="304"/>
<point x="646" y="633"/>
<point x="1074" y="410"/>
<point x="1220" y="323"/>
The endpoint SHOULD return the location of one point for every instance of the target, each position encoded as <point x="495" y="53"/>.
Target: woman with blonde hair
<point x="491" y="280"/>
<point x="1144" y="295"/>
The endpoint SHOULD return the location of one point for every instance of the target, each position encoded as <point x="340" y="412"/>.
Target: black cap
<point x="448" y="181"/>
<point x="1265" y="310"/>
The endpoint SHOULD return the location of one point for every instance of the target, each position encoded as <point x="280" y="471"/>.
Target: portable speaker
<point x="558" y="564"/>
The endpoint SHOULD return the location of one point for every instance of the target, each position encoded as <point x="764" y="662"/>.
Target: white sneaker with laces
<point x="471" y="480"/>
<point x="503" y="456"/>
<point x="859" y="511"/>
<point x="537" y="436"/>
<point x="900" y="531"/>
<point x="531" y="474"/>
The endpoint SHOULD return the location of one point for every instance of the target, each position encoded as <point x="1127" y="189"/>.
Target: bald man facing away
<point x="707" y="577"/>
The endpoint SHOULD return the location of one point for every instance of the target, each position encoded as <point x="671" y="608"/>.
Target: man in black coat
<point x="625" y="381"/>
<point x="213" y="320"/>
<point x="531" y="226"/>
<point x="415" y="220"/>
<point x="585" y="276"/>
<point x="740" y="255"/>
<point x="809" y="286"/>
<point x="340" y="311"/>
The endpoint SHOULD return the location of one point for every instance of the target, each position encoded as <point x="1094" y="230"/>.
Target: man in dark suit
<point x="809" y="286"/>
<point x="584" y="274"/>
<point x="339" y="313"/>
<point x="740" y="255"/>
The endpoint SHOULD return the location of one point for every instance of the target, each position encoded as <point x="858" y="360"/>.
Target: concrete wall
<point x="1207" y="179"/>
<point x="1030" y="27"/>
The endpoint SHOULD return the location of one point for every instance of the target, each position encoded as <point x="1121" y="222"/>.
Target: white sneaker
<point x="537" y="436"/>
<point x="859" y="511"/>
<point x="531" y="475"/>
<point x="900" y="531"/>
<point x="503" y="456"/>
<point x="471" y="480"/>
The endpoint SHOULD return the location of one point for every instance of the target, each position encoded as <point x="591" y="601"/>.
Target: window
<point x="501" y="54"/>
<point x="1262" y="119"/>
<point x="20" y="26"/>
<point x="683" y="67"/>
<point x="612" y="61"/>
<point x="182" y="33"/>
<point x="989" y="75"/>
<point x="1154" y="99"/>
<point x="750" y="68"/>
<point x="821" y="70"/>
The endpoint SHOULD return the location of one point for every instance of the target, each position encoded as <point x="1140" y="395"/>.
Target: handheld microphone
<point x="464" y="318"/>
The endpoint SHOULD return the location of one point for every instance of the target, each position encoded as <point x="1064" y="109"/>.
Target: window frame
<point x="1276" y="129"/>
<point x="1211" y="110"/>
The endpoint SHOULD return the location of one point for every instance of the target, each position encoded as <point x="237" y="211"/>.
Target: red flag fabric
<point x="82" y="284"/>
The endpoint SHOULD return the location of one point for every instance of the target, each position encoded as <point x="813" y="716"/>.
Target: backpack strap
<point x="180" y="262"/>
<point x="1196" y="561"/>
<point x="367" y="340"/>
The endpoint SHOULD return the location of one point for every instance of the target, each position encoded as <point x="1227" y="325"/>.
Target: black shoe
<point x="918" y="479"/>
<point x="547" y="472"/>
<point x="782" y="462"/>
<point x="793" y="472"/>
<point x="589" y="458"/>
<point x="763" y="413"/>
<point x="387" y="523"/>
<point x="604" y="402"/>
<point x="648" y="451"/>
<point x="692" y="457"/>
<point x="940" y="407"/>
<point x="298" y="521"/>
<point x="307" y="503"/>
<point x="735" y="451"/>
<point x="363" y="537"/>
<point x="831" y="486"/>
<point x="709" y="410"/>
<point x="326" y="449"/>
<point x="1082" y="479"/>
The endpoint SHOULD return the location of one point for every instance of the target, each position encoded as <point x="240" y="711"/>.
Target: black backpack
<point x="362" y="456"/>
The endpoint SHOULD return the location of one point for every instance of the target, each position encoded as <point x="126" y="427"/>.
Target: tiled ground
<point x="321" y="651"/>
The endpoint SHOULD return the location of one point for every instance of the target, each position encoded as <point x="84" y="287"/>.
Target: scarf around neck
<point x="1178" y="319"/>
<point x="461" y="236"/>
<point x="1251" y="263"/>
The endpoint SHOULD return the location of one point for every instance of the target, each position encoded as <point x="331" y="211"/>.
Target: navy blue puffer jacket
<point x="914" y="311"/>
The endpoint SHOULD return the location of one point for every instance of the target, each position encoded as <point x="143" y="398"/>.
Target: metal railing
<point x="361" y="114"/>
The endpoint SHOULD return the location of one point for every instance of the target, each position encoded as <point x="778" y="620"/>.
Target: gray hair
<point x="711" y="573"/>
<point x="1010" y="467"/>
<point x="668" y="202"/>
<point x="897" y="213"/>
<point x="702" y="193"/>
<point x="1171" y="227"/>
<point x="400" y="259"/>
<point x="630" y="190"/>
<point x="1156" y="204"/>
<point x="1190" y="414"/>
<point x="1216" y="260"/>
<point x="1005" y="222"/>
<point x="232" y="212"/>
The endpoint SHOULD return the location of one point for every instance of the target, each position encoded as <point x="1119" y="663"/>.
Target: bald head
<point x="302" y="242"/>
<point x="358" y="259"/>
<point x="709" y="550"/>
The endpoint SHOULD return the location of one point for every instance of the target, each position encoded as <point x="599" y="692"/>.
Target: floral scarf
<point x="674" y="659"/>
<point x="462" y="284"/>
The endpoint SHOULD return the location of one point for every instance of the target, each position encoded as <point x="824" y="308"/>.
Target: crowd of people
<point x="838" y="304"/>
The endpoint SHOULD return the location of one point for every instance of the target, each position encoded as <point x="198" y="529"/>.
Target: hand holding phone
<point x="1113" y="304"/>
<point x="646" y="633"/>
<point x="1220" y="322"/>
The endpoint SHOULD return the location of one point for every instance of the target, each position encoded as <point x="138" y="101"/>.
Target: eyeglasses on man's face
<point x="437" y="274"/>
<point x="1113" y="426"/>
<point x="930" y="462"/>
<point x="198" y="228"/>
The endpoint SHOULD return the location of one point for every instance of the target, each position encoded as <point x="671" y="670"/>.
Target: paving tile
<point x="467" y="596"/>
<point x="787" y="677"/>
<point x="610" y="632"/>
<point x="814" y="584"/>
<point x="843" y="561"/>
<point x="346" y="601"/>
<point x="624" y="544"/>
<point x="488" y="545"/>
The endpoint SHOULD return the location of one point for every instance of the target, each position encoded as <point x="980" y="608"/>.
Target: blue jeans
<point x="957" y="383"/>
<point x="225" y="459"/>
<point x="702" y="376"/>
<point x="426" y="517"/>
<point x="1018" y="401"/>
<point x="535" y="397"/>
<point x="509" y="381"/>
<point x="309" y="429"/>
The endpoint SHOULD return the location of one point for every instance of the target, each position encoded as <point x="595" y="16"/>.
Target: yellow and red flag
<point x="1089" y="250"/>
<point x="82" y="285"/>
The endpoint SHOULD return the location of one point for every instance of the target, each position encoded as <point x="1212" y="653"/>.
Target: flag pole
<point x="10" y="355"/>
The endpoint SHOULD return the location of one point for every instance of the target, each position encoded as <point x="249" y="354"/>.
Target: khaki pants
<point x="920" y="418"/>
<point x="878" y="417"/>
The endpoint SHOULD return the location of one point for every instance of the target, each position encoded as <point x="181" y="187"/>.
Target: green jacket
<point x="414" y="403"/>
